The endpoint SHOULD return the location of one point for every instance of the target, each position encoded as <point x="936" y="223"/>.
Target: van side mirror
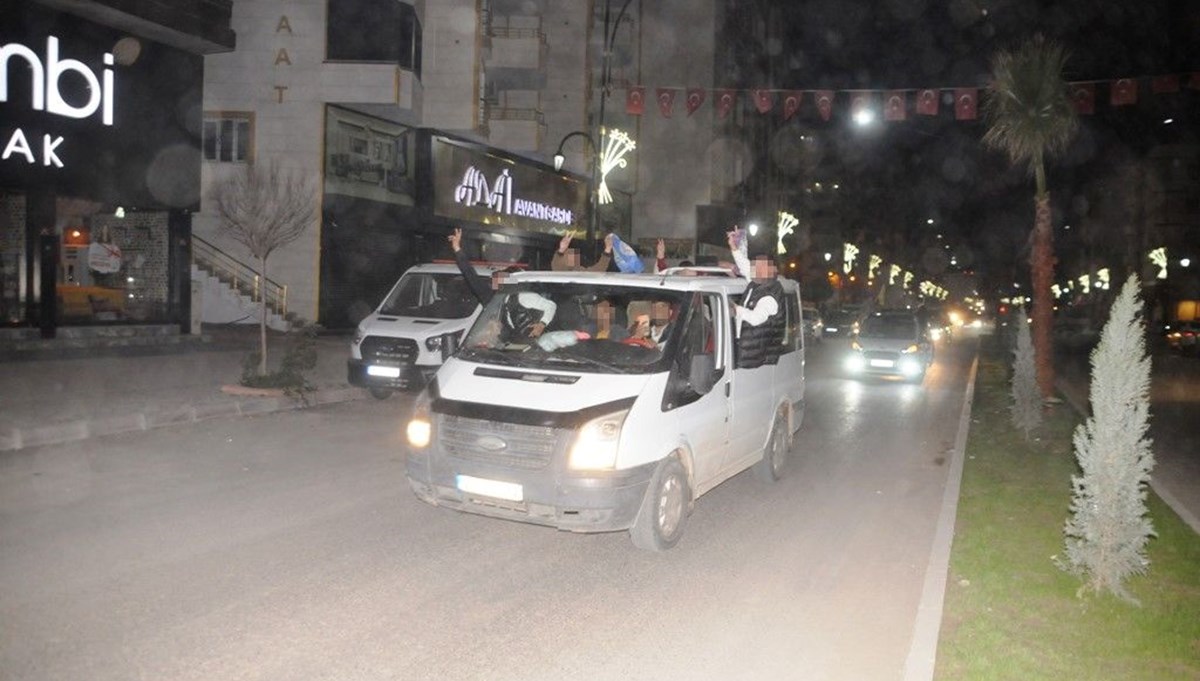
<point x="702" y="373"/>
<point x="450" y="344"/>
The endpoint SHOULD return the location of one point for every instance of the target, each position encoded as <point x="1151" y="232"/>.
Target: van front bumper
<point x="406" y="377"/>
<point x="593" y="501"/>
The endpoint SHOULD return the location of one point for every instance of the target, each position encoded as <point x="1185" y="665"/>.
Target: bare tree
<point x="263" y="208"/>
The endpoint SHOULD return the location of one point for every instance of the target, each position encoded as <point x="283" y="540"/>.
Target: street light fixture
<point x="559" y="158"/>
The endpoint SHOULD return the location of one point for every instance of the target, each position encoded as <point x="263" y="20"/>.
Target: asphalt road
<point x="289" y="547"/>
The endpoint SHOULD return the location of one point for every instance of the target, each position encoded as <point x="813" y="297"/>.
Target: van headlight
<point x="419" y="430"/>
<point x="434" y="343"/>
<point x="595" y="447"/>
<point x="910" y="349"/>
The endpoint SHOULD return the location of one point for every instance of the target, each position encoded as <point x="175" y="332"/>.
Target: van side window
<point x="793" y="331"/>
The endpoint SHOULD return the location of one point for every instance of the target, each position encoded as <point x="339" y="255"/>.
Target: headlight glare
<point x="595" y="446"/>
<point x="910" y="349"/>
<point x="419" y="430"/>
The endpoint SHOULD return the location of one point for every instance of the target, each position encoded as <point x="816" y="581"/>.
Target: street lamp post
<point x="592" y="204"/>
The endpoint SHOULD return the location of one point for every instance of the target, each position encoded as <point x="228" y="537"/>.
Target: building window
<point x="229" y="137"/>
<point x="394" y="36"/>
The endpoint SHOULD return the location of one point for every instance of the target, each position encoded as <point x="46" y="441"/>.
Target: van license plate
<point x="883" y="363"/>
<point x="510" y="491"/>
<point x="385" y="372"/>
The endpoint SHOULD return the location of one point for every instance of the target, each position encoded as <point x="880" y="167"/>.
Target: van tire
<point x="664" y="512"/>
<point x="380" y="393"/>
<point x="770" y="467"/>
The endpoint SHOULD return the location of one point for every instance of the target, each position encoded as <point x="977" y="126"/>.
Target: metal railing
<point x="242" y="277"/>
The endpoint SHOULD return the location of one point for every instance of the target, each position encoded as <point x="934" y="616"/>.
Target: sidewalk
<point x="1176" y="475"/>
<point x="48" y="401"/>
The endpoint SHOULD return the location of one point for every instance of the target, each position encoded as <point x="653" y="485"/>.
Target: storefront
<point x="393" y="194"/>
<point x="100" y="168"/>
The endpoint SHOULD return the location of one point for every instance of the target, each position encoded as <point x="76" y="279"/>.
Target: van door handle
<point x="726" y="388"/>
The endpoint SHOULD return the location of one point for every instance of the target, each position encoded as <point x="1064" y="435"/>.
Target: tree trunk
<point x="1041" y="262"/>
<point x="262" y="319"/>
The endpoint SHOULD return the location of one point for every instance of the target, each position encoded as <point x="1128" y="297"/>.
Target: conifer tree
<point x="1109" y="525"/>
<point x="1027" y="399"/>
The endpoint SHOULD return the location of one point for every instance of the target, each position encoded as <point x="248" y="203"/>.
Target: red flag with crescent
<point x="666" y="100"/>
<point x="635" y="101"/>
<point x="825" y="103"/>
<point x="725" y="101"/>
<point x="895" y="106"/>
<point x="927" y="102"/>
<point x="966" y="103"/>
<point x="791" y="103"/>
<point x="764" y="100"/>
<point x="1083" y="97"/>
<point x="1124" y="92"/>
<point x="860" y="102"/>
<point x="695" y="98"/>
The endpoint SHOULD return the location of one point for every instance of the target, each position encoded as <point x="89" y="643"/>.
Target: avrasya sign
<point x="44" y="78"/>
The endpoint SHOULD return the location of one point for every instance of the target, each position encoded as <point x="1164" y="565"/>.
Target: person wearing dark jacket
<point x="527" y="313"/>
<point x="567" y="258"/>
<point x="758" y="318"/>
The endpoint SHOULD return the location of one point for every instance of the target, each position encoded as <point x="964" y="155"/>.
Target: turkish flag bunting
<point x="764" y="100"/>
<point x="1083" y="96"/>
<point x="895" y="105"/>
<point x="695" y="97"/>
<point x="1160" y="85"/>
<point x="927" y="102"/>
<point x="725" y="101"/>
<point x="825" y="103"/>
<point x="791" y="103"/>
<point x="635" y="101"/>
<point x="666" y="100"/>
<point x="1123" y="92"/>
<point x="966" y="103"/>
<point x="859" y="101"/>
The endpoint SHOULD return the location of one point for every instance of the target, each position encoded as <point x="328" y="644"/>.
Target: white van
<point x="402" y="342"/>
<point x="593" y="432"/>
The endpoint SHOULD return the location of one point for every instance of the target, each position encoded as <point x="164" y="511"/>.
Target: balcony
<point x="515" y="49"/>
<point x="517" y="129"/>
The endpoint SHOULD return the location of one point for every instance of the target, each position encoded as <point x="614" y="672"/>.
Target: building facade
<point x="100" y="169"/>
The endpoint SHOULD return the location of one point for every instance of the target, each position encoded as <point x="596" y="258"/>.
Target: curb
<point x="83" y="429"/>
<point x="922" y="652"/>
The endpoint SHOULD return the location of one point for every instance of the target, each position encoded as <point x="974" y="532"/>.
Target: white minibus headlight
<point x="910" y="349"/>
<point x="419" y="430"/>
<point x="595" y="446"/>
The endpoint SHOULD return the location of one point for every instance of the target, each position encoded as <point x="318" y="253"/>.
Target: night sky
<point x="898" y="175"/>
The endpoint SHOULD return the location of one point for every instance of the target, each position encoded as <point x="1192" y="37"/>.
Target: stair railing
<point x="242" y="277"/>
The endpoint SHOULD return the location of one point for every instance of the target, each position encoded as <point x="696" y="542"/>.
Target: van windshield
<point x="432" y="295"/>
<point x="578" y="327"/>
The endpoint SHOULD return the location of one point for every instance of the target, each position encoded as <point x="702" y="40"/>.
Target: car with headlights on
<point x="891" y="343"/>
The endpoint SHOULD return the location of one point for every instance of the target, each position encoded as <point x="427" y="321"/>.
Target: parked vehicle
<point x="589" y="430"/>
<point x="814" y="326"/>
<point x="892" y="343"/>
<point x="1181" y="336"/>
<point x="402" y="342"/>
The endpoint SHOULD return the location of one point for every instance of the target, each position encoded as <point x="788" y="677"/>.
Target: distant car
<point x="1181" y="336"/>
<point x="892" y="343"/>
<point x="814" y="326"/>
<point x="841" y="325"/>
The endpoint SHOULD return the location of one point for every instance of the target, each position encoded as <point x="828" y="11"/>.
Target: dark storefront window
<point x="374" y="30"/>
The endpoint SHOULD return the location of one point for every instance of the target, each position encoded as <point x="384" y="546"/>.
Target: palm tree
<point x="1030" y="117"/>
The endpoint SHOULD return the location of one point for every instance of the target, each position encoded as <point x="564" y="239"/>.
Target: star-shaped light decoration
<point x="892" y="274"/>
<point x="1102" y="280"/>
<point x="786" y="225"/>
<point x="616" y="145"/>
<point x="1085" y="283"/>
<point x="849" y="253"/>
<point x="1159" y="257"/>
<point x="873" y="264"/>
<point x="908" y="277"/>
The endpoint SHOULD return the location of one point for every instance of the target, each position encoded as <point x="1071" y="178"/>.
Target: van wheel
<point x="770" y="468"/>
<point x="380" y="393"/>
<point x="664" y="512"/>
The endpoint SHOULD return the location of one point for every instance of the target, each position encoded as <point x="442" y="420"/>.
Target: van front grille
<point x="506" y="444"/>
<point x="389" y="350"/>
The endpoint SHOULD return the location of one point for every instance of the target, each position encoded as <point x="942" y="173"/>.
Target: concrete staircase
<point x="220" y="302"/>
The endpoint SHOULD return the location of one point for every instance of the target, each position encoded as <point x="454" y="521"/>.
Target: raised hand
<point x="564" y="243"/>
<point x="608" y="241"/>
<point x="660" y="250"/>
<point x="455" y="240"/>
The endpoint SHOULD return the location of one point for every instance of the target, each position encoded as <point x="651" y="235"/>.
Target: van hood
<point x="409" y="327"/>
<point x="545" y="390"/>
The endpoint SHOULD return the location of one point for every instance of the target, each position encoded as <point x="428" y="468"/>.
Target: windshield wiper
<point x="592" y="361"/>
<point x="489" y="354"/>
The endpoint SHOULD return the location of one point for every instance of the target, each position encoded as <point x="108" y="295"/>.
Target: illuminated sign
<point x="45" y="76"/>
<point x="474" y="190"/>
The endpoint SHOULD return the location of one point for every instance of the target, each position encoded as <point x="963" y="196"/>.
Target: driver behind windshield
<point x="525" y="315"/>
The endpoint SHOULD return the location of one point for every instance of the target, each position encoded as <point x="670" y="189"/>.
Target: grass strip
<point x="1010" y="613"/>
